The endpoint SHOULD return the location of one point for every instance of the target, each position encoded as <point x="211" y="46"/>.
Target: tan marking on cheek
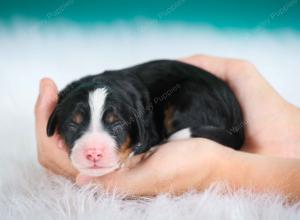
<point x="168" y="120"/>
<point x="77" y="118"/>
<point x="125" y="150"/>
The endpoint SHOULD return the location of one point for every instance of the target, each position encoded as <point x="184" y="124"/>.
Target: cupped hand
<point x="171" y="168"/>
<point x="272" y="125"/>
<point x="174" y="168"/>
<point x="51" y="153"/>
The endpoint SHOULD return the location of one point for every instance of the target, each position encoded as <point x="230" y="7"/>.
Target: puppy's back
<point x="187" y="97"/>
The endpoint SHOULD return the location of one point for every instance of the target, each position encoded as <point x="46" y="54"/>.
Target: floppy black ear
<point x="142" y="140"/>
<point x="146" y="131"/>
<point x="52" y="122"/>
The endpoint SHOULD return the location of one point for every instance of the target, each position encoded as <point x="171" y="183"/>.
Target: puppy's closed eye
<point x="110" y="118"/>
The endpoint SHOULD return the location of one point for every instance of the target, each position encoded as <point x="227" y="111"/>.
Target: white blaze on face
<point x="95" y="142"/>
<point x="96" y="102"/>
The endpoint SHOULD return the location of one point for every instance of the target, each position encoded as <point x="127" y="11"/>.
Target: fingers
<point x="135" y="180"/>
<point x="158" y="173"/>
<point x="49" y="155"/>
<point x="133" y="161"/>
<point x="219" y="66"/>
<point x="45" y="103"/>
<point x="211" y="64"/>
<point x="264" y="110"/>
<point x="122" y="181"/>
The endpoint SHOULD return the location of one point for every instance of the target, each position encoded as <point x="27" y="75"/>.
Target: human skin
<point x="269" y="160"/>
<point x="272" y="125"/>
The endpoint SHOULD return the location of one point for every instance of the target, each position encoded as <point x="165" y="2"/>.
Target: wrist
<point x="241" y="169"/>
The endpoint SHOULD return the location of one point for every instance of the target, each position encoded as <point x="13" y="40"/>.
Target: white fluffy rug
<point x="64" y="52"/>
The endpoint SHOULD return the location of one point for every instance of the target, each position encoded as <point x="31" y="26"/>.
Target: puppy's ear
<point x="147" y="135"/>
<point x="142" y="140"/>
<point x="52" y="122"/>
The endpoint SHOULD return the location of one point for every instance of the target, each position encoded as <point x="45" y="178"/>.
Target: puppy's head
<point x="99" y="126"/>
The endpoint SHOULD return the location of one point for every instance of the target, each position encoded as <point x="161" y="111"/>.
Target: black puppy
<point x="105" y="118"/>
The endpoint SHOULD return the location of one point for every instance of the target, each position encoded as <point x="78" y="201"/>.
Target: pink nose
<point x="93" y="154"/>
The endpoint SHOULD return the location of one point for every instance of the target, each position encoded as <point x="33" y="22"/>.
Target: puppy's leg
<point x="181" y="135"/>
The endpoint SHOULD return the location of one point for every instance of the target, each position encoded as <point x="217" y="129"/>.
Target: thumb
<point x="46" y="102"/>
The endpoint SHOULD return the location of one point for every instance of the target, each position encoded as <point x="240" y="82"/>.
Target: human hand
<point x="174" y="168"/>
<point x="139" y="169"/>
<point x="261" y="105"/>
<point x="272" y="125"/>
<point x="51" y="152"/>
<point x="179" y="166"/>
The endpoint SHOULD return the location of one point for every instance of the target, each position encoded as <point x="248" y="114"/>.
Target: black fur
<point x="140" y="95"/>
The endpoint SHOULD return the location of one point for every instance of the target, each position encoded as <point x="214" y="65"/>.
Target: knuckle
<point x="242" y="65"/>
<point x="196" y="56"/>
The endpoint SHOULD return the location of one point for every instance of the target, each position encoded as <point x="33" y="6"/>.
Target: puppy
<point x="105" y="118"/>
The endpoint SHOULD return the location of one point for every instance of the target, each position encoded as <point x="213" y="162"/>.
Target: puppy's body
<point x="133" y="109"/>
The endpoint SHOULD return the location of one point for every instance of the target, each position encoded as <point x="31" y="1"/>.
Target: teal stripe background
<point x="241" y="14"/>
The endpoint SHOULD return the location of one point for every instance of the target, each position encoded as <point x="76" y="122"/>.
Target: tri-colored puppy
<point x="105" y="118"/>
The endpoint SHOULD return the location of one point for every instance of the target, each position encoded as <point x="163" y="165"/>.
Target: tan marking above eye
<point x="110" y="118"/>
<point x="78" y="118"/>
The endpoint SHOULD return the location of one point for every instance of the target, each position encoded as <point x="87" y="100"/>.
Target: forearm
<point x="262" y="174"/>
